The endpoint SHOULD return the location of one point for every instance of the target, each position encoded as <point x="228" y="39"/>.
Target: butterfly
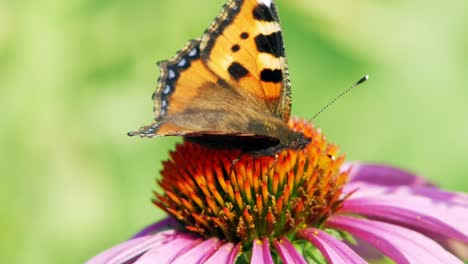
<point x="229" y="88"/>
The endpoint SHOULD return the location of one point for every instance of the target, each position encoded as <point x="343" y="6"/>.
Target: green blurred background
<point x="76" y="75"/>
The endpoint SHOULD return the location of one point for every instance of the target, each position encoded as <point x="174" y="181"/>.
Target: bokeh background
<point x="76" y="75"/>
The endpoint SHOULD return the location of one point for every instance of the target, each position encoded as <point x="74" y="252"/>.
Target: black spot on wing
<point x="244" y="35"/>
<point x="223" y="83"/>
<point x="274" y="76"/>
<point x="237" y="71"/>
<point x="272" y="44"/>
<point x="263" y="13"/>
<point x="235" y="48"/>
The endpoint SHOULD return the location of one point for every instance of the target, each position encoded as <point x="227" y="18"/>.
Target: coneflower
<point x="305" y="206"/>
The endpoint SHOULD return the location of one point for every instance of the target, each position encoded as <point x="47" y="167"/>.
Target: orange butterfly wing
<point x="202" y="88"/>
<point x="180" y="80"/>
<point x="191" y="100"/>
<point x="244" y="46"/>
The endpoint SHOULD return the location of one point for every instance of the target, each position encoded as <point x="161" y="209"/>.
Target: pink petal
<point x="334" y="250"/>
<point x="226" y="254"/>
<point x="437" y="195"/>
<point x="383" y="175"/>
<point x="365" y="250"/>
<point x="131" y="248"/>
<point x="167" y="252"/>
<point x="261" y="252"/>
<point x="455" y="198"/>
<point x="200" y="252"/>
<point x="288" y="252"/>
<point x="166" y="223"/>
<point x="416" y="212"/>
<point x="400" y="244"/>
<point x="455" y="247"/>
<point x="434" y="194"/>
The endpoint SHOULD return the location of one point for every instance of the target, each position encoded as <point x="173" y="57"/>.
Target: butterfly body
<point x="263" y="139"/>
<point x="229" y="88"/>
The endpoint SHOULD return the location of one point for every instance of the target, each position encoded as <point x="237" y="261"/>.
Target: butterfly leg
<point x="234" y="161"/>
<point x="272" y="167"/>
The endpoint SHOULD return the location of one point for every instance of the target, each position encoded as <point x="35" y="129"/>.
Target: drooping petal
<point x="400" y="244"/>
<point x="131" y="248"/>
<point x="383" y="175"/>
<point x="168" y="222"/>
<point x="434" y="194"/>
<point x="455" y="198"/>
<point x="334" y="250"/>
<point x="261" y="252"/>
<point x="226" y="254"/>
<point x="287" y="252"/>
<point x="200" y="252"/>
<point x="366" y="189"/>
<point x="167" y="252"/>
<point x="416" y="212"/>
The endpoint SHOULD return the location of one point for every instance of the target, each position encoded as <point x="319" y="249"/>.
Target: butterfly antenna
<point x="362" y="80"/>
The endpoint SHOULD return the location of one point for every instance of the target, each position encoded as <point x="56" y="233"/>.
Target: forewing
<point x="180" y="81"/>
<point x="244" y="47"/>
<point x="191" y="99"/>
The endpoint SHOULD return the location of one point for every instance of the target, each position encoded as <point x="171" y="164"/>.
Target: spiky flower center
<point x="210" y="194"/>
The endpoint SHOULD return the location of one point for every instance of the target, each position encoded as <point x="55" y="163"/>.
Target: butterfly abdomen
<point x="244" y="143"/>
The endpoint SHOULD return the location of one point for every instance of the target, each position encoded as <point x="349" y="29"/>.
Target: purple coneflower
<point x="306" y="206"/>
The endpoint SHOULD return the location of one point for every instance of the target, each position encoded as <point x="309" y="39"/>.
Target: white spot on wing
<point x="167" y="89"/>
<point x="193" y="53"/>
<point x="171" y="74"/>
<point x="226" y="61"/>
<point x="267" y="60"/>
<point x="265" y="2"/>
<point x="182" y="63"/>
<point x="149" y="130"/>
<point x="267" y="28"/>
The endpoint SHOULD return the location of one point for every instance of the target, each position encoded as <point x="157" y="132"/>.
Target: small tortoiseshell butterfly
<point x="231" y="86"/>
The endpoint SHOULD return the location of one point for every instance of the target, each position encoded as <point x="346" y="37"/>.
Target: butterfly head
<point x="297" y="141"/>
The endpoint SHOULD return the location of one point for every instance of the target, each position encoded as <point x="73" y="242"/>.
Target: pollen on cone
<point x="241" y="201"/>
